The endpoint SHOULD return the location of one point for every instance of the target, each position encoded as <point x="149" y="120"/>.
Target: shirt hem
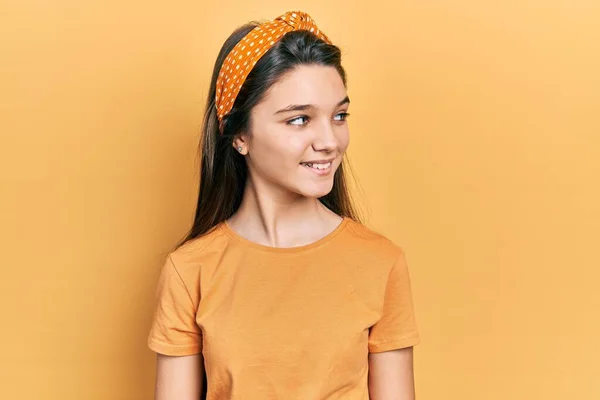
<point x="174" y="350"/>
<point x="394" y="344"/>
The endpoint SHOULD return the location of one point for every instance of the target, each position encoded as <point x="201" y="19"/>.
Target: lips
<point x="321" y="161"/>
<point x="319" y="166"/>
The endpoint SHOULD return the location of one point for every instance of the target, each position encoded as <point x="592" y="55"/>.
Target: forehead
<point x="319" y="85"/>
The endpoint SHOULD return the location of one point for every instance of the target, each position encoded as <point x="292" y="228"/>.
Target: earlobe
<point x="239" y="144"/>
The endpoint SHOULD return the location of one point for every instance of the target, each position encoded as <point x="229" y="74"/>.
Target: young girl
<point x="278" y="291"/>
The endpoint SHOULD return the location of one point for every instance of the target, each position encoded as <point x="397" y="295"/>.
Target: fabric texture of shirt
<point x="285" y="323"/>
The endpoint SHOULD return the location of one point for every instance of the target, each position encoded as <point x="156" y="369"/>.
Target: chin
<point x="316" y="191"/>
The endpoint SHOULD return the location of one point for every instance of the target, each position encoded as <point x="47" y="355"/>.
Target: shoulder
<point x="371" y="240"/>
<point x="188" y="258"/>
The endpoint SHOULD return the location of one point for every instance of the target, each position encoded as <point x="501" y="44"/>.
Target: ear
<point x="241" y="142"/>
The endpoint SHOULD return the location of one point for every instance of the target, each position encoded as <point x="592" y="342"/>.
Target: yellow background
<point x="475" y="138"/>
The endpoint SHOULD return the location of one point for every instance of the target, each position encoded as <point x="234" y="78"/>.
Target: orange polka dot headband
<point x="246" y="53"/>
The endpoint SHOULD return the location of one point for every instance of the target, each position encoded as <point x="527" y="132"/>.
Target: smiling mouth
<point x="318" y="166"/>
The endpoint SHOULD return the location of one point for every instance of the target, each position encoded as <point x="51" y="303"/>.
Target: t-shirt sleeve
<point x="397" y="326"/>
<point x="174" y="330"/>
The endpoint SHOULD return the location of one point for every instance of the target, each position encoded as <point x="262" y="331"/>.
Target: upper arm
<point x="397" y="327"/>
<point x="175" y="336"/>
<point x="174" y="330"/>
<point x="179" y="377"/>
<point x="391" y="375"/>
<point x="392" y="338"/>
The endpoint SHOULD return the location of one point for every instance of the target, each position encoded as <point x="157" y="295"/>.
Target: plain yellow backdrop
<point x="475" y="139"/>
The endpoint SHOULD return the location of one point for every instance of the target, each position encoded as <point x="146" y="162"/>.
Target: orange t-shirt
<point x="285" y="323"/>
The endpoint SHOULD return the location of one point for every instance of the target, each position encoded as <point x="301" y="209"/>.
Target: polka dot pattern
<point x="244" y="56"/>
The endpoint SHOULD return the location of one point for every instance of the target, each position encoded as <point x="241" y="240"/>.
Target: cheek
<point x="343" y="139"/>
<point x="280" y="153"/>
<point x="297" y="146"/>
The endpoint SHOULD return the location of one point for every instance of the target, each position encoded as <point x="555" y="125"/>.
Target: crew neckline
<point x="234" y="235"/>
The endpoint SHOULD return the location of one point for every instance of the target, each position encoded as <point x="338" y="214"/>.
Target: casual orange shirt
<point x="285" y="323"/>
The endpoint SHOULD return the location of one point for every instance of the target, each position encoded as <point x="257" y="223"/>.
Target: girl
<point x="278" y="291"/>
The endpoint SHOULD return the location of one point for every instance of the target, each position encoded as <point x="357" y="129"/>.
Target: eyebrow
<point x="302" y="107"/>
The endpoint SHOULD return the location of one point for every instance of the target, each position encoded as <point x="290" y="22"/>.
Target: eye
<point x="298" y="121"/>
<point x="341" y="116"/>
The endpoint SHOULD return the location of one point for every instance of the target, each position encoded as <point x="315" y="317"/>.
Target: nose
<point x="325" y="139"/>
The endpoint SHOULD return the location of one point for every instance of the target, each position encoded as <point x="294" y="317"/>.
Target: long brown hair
<point x="223" y="171"/>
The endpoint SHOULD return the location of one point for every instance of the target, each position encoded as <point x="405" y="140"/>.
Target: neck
<point x="279" y="218"/>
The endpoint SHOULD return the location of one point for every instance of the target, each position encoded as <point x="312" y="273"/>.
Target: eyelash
<point x="343" y="114"/>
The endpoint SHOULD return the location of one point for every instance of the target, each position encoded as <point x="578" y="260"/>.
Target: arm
<point x="391" y="375"/>
<point x="179" y="377"/>
<point x="175" y="335"/>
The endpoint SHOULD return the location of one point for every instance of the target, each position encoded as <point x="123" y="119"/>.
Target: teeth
<point x="318" y="166"/>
